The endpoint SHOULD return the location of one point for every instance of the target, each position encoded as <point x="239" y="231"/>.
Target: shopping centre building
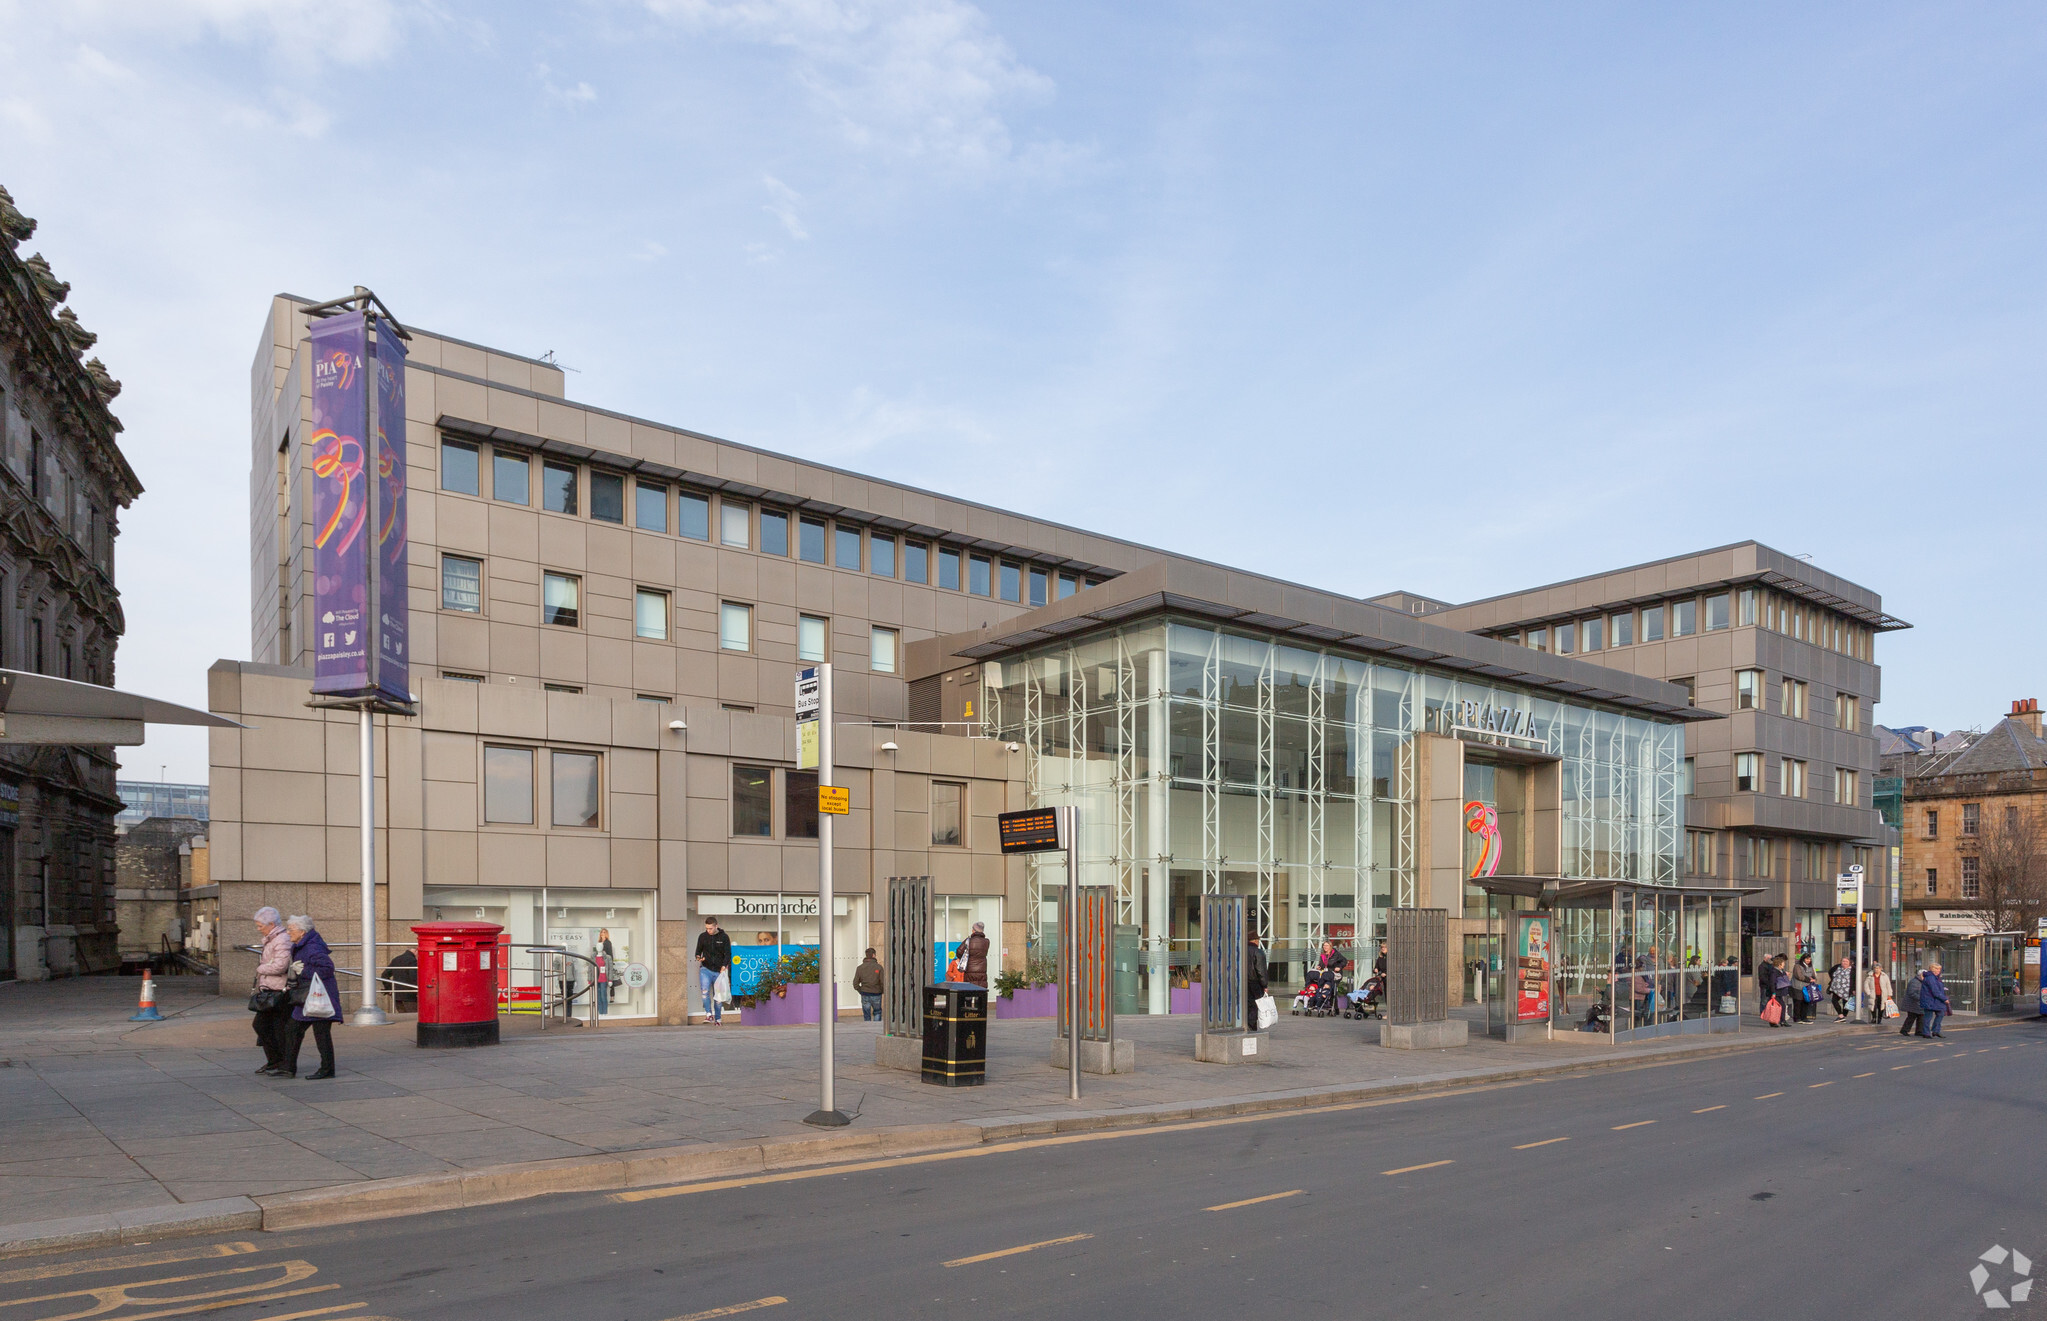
<point x="607" y="619"/>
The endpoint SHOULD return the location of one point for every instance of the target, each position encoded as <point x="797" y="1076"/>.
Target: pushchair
<point x="1367" y="1001"/>
<point x="1319" y="998"/>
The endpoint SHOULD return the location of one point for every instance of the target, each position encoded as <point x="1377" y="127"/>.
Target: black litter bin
<point x="956" y="1034"/>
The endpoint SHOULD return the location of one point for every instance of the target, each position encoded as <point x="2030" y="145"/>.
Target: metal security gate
<point x="1417" y="965"/>
<point x="1222" y="963"/>
<point x="907" y="957"/>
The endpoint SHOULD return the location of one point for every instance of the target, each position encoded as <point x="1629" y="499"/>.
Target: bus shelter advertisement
<point x="1532" y="967"/>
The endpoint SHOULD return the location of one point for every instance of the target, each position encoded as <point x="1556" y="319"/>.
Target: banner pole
<point x="827" y="1115"/>
<point x="368" y="1014"/>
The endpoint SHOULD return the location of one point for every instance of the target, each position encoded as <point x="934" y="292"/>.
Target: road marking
<point x="1410" y="1169"/>
<point x="1767" y="1095"/>
<point x="990" y="1256"/>
<point x="1709" y="1110"/>
<point x="1986" y="1050"/>
<point x="125" y="1263"/>
<point x="1896" y="1067"/>
<point x="1637" y="1124"/>
<point x="734" y="1310"/>
<point x="231" y="1302"/>
<point x="1544" y="1143"/>
<point x="326" y="1311"/>
<point x="1829" y="1083"/>
<point x="1865" y="1075"/>
<point x="1253" y="1201"/>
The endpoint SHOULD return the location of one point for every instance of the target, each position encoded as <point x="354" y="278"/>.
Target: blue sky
<point x="1456" y="298"/>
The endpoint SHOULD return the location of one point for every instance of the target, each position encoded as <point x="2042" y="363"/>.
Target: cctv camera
<point x="1015" y="747"/>
<point x="677" y="725"/>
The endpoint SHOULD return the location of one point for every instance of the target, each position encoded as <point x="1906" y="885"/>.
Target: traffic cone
<point x="146" y="1012"/>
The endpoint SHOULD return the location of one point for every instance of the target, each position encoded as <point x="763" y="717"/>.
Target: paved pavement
<point x="1718" y="1186"/>
<point x="105" y="1115"/>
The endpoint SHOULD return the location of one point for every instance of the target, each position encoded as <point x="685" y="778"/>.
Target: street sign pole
<point x="827" y="1115"/>
<point x="1069" y="822"/>
<point x="1855" y="996"/>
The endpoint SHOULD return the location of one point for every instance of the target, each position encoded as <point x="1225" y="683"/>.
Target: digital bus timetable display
<point x="1029" y="832"/>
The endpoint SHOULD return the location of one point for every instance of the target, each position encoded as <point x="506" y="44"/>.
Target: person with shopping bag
<point x="1259" y="1011"/>
<point x="267" y="998"/>
<point x="714" y="962"/>
<point x="315" y="995"/>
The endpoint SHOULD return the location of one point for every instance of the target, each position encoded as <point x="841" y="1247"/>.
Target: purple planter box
<point x="1185" y="1000"/>
<point x="799" y="1006"/>
<point x="1041" y="1002"/>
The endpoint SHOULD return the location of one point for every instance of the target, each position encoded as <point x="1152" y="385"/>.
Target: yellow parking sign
<point x="834" y="800"/>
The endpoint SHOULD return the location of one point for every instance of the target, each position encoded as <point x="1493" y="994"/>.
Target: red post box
<point x="458" y="983"/>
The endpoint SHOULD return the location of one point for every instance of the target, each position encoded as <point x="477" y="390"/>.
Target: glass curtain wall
<point x="1206" y="761"/>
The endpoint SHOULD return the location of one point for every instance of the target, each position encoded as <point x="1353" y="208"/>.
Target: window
<point x="1748" y="771"/>
<point x="1748" y="690"/>
<point x="1691" y="686"/>
<point x="1684" y="618"/>
<point x="1815" y="862"/>
<point x="1538" y="639"/>
<point x="1847" y="711"/>
<point x="1038" y="584"/>
<point x="1567" y="639"/>
<point x="559" y="599"/>
<point x="1972" y="820"/>
<point x="735" y="706"/>
<point x="508" y="786"/>
<point x="693" y="515"/>
<point x="1761" y="855"/>
<point x="1933" y="880"/>
<point x="1623" y="630"/>
<point x="460" y="677"/>
<point x="650" y="614"/>
<point x="810" y="638"/>
<point x="607" y="497"/>
<point x="560" y="688"/>
<point x="1593" y="632"/>
<point x="1067" y="586"/>
<point x="881" y="556"/>
<point x="1700" y="852"/>
<point x="977" y="575"/>
<point x="461" y="584"/>
<point x="810" y="540"/>
<point x="1747" y="606"/>
<point x="655" y="698"/>
<point x="948" y="569"/>
<point x="650" y="507"/>
<point x="575" y="789"/>
<point x="735" y="627"/>
<point x="947" y="800"/>
<point x="458" y="468"/>
<point x="1794" y="698"/>
<point x="799" y="804"/>
<point x="1845" y="787"/>
<point x="735" y="524"/>
<point x="2011" y="820"/>
<point x="774" y="532"/>
<point x="846" y="548"/>
<point x="753" y="802"/>
<point x="508" y="477"/>
<point x="558" y="488"/>
<point x="1791" y="778"/>
<point x="1933" y="823"/>
<point x="1652" y="623"/>
<point x="881" y="651"/>
<point x="1972" y="878"/>
<point x="916" y="562"/>
<point x="1688" y="784"/>
<point x="1716" y="612"/>
<point x="1012" y="582"/>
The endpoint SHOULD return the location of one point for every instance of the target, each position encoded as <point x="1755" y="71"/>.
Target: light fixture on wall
<point x="677" y="726"/>
<point x="889" y="746"/>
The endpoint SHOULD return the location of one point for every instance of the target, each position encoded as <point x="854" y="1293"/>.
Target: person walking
<point x="267" y="999"/>
<point x="974" y="956"/>
<point x="1877" y="986"/>
<point x="867" y="980"/>
<point x="1767" y="976"/>
<point x="312" y="964"/>
<point x="1805" y="989"/>
<point x="1913" y="1015"/>
<point x="1785" y="992"/>
<point x="1933" y="1002"/>
<point x="1842" y="987"/>
<point x="713" y="956"/>
<point x="1255" y="968"/>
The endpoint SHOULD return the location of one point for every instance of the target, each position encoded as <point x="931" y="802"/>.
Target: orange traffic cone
<point x="146" y="1013"/>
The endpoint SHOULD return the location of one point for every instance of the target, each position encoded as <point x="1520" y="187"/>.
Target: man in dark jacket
<point x="714" y="955"/>
<point x="1766" y="984"/>
<point x="1911" y="1005"/>
<point x="869" y="982"/>
<point x="1255" y="968"/>
<point x="1933" y="1002"/>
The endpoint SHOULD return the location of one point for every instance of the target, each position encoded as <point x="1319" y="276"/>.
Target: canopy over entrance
<point x="36" y="708"/>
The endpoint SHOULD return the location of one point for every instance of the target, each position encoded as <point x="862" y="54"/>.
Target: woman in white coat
<point x="1876" y="989"/>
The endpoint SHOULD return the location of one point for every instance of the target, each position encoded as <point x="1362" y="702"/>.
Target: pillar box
<point x="458" y="983"/>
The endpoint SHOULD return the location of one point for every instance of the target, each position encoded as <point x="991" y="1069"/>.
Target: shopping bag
<point x="1773" y="1012"/>
<point x="1268" y="1012"/>
<point x="1890" y="1007"/>
<point x="318" y="1003"/>
<point x="723" y="990"/>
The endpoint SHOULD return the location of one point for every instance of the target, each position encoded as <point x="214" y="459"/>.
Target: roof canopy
<point x="36" y="708"/>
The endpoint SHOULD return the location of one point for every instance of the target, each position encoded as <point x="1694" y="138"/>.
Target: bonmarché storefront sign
<point x="765" y="905"/>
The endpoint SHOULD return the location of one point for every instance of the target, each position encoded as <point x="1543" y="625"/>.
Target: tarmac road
<point x="1864" y="1176"/>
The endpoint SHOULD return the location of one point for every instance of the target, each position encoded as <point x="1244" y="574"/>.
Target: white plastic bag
<point x="318" y="1003"/>
<point x="1268" y="1012"/>
<point x="723" y="990"/>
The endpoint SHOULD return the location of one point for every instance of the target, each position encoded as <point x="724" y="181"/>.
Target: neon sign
<point x="1483" y="820"/>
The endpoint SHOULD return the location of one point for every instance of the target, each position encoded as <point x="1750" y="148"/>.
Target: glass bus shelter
<point x="1982" y="972"/>
<point x="1626" y="959"/>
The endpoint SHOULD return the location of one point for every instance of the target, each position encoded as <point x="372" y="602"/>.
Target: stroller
<point x="1320" y="998"/>
<point x="1369" y="1000"/>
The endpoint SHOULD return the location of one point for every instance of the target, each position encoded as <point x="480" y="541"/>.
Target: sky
<point x="1456" y="298"/>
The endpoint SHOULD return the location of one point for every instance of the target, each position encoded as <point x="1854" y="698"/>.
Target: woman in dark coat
<point x="310" y="961"/>
<point x="973" y="954"/>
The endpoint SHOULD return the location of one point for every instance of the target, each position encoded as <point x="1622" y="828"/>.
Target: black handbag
<point x="263" y="1000"/>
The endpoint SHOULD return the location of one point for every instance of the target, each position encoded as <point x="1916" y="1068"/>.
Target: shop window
<point x="810" y="540"/>
<point x="650" y="614"/>
<point x="558" y="488"/>
<point x="1748" y="690"/>
<point x="812" y="637"/>
<point x="881" y="651"/>
<point x="753" y="802"/>
<point x="948" y="803"/>
<point x="1652" y="623"/>
<point x="1623" y="629"/>
<point x="1012" y="581"/>
<point x="916" y="562"/>
<point x="774" y="533"/>
<point x="560" y="599"/>
<point x="461" y="584"/>
<point x="1933" y="823"/>
<point x="799" y="804"/>
<point x="1972" y="820"/>
<point x="1684" y="618"/>
<point x="846" y="548"/>
<point x="1538" y="639"/>
<point x="735" y="627"/>
<point x="1716" y="612"/>
<point x="508" y="786"/>
<point x="1794" y="699"/>
<point x="1933" y="880"/>
<point x="458" y="468"/>
<point x="1847" y="712"/>
<point x="1748" y="773"/>
<point x="650" y="507"/>
<point x="1845" y="786"/>
<point x="977" y="575"/>
<point x="1037" y="586"/>
<point x="1747" y="606"/>
<point x="948" y="569"/>
<point x="881" y="556"/>
<point x="575" y="789"/>
<point x="607" y="497"/>
<point x="1972" y="878"/>
<point x="735" y="524"/>
<point x="1593" y="634"/>
<point x="508" y="477"/>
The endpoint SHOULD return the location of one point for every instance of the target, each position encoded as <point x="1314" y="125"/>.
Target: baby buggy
<point x="1369" y="1000"/>
<point x="1320" y="998"/>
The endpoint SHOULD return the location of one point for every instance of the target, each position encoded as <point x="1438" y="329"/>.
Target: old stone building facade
<point x="1974" y="852"/>
<point x="63" y="483"/>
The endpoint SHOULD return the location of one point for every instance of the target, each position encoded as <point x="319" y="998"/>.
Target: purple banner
<point x="393" y="616"/>
<point x="341" y="507"/>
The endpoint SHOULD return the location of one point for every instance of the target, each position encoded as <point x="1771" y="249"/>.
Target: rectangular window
<point x="508" y="786"/>
<point x="1972" y="820"/>
<point x="508" y="477"/>
<point x="881" y="651"/>
<point x="1038" y="584"/>
<point x="1066" y="586"/>
<point x="916" y="562"/>
<point x="977" y="575"/>
<point x="650" y="507"/>
<point x="1762" y="856"/>
<point x="1652" y="623"/>
<point x="1687" y="785"/>
<point x="948" y="568"/>
<point x="1567" y="639"/>
<point x="1701" y="856"/>
<point x="1593" y="633"/>
<point x="1845" y="786"/>
<point x="607" y="497"/>
<point x="1748" y="771"/>
<point x="459" y="468"/>
<point x="811" y="635"/>
<point x="650" y="614"/>
<point x="1011" y="577"/>
<point x="1748" y="690"/>
<point x="560" y="599"/>
<point x="692" y="515"/>
<point x="881" y="556"/>
<point x="1747" y="607"/>
<point x="1791" y="778"/>
<point x="735" y="524"/>
<point x="461" y="584"/>
<point x="575" y="789"/>
<point x="2011" y="821"/>
<point x="1933" y="880"/>
<point x="846" y="548"/>
<point x="460" y="677"/>
<point x="1933" y="823"/>
<point x="753" y="802"/>
<point x="948" y="804"/>
<point x="799" y="804"/>
<point x="1623" y="629"/>
<point x="1847" y="711"/>
<point x="1716" y="612"/>
<point x="774" y="532"/>
<point x="735" y="627"/>
<point x="1972" y="878"/>
<point x="655" y="698"/>
<point x="1684" y="618"/>
<point x="1538" y="639"/>
<point x="1794" y="699"/>
<point x="558" y="488"/>
<point x="810" y="540"/>
<point x="561" y="688"/>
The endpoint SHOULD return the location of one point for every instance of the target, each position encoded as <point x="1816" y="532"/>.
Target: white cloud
<point x="650" y="251"/>
<point x="568" y="98"/>
<point x="305" y="34"/>
<point x="783" y="206"/>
